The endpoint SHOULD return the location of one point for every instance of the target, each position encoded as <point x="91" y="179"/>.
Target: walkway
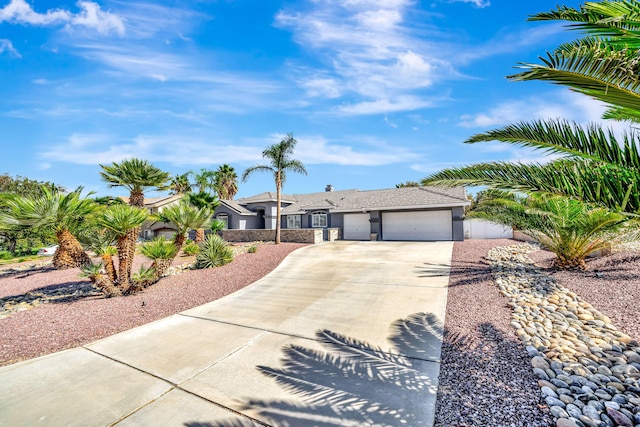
<point x="344" y="334"/>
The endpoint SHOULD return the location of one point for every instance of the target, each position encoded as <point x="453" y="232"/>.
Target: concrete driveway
<point x="340" y="334"/>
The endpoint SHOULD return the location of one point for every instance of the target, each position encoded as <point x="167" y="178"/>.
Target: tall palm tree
<point x="205" y="180"/>
<point x="137" y="176"/>
<point x="226" y="182"/>
<point x="64" y="214"/>
<point x="180" y="184"/>
<point x="280" y="162"/>
<point x="185" y="217"/>
<point x="596" y="165"/>
<point x="123" y="221"/>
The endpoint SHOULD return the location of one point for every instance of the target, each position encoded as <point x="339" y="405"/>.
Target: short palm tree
<point x="102" y="243"/>
<point x="162" y="252"/>
<point x="123" y="221"/>
<point x="185" y="217"/>
<point x="226" y="182"/>
<point x="201" y="200"/>
<point x="100" y="280"/>
<point x="280" y="162"/>
<point x="570" y="229"/>
<point x="64" y="214"/>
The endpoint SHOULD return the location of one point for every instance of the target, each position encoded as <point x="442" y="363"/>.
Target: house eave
<point x="402" y="208"/>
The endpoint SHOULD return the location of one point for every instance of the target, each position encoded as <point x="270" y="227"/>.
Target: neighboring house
<point x="154" y="205"/>
<point x="409" y="213"/>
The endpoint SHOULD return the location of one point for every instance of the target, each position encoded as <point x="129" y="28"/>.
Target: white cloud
<point x="370" y="52"/>
<point x="476" y="3"/>
<point x="89" y="16"/>
<point x="318" y="150"/>
<point x="6" y="45"/>
<point x="390" y="123"/>
<point x="381" y="106"/>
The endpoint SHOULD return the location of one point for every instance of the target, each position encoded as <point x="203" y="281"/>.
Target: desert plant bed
<point x="83" y="317"/>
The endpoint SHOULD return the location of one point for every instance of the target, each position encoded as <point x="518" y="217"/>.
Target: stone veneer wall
<point x="334" y="234"/>
<point x="298" y="235"/>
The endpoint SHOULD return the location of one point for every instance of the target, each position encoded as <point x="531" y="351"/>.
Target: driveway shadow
<point x="350" y="382"/>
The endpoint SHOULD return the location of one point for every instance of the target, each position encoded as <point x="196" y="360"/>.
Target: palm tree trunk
<point x="278" y="208"/>
<point x="125" y="259"/>
<point x="178" y="240"/>
<point x="136" y="198"/>
<point x="107" y="262"/>
<point x="199" y="235"/>
<point x="161" y="266"/>
<point x="107" y="286"/>
<point x="70" y="253"/>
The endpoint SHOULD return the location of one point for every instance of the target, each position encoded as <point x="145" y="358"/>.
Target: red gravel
<point x="485" y="377"/>
<point x="61" y="325"/>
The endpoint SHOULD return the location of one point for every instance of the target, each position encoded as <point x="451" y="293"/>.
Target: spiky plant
<point x="64" y="214"/>
<point x="144" y="277"/>
<point x="102" y="242"/>
<point x="214" y="252"/>
<point x="280" y="162"/>
<point x="123" y="221"/>
<point x="161" y="251"/>
<point x="185" y="217"/>
<point x="569" y="228"/>
<point x="95" y="273"/>
<point x="191" y="248"/>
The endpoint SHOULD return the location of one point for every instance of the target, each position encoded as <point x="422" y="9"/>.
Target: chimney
<point x="328" y="188"/>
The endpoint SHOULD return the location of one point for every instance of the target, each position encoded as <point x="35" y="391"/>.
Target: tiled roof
<point x="266" y="197"/>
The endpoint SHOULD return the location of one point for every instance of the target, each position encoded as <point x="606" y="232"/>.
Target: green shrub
<point x="191" y="248"/>
<point x="5" y="255"/>
<point x="214" y="252"/>
<point x="159" y="248"/>
<point x="146" y="275"/>
<point x="252" y="249"/>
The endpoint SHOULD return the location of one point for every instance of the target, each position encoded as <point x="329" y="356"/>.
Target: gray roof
<point x="266" y="197"/>
<point x="388" y="199"/>
<point x="234" y="205"/>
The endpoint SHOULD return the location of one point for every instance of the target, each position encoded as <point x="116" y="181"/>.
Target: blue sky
<point x="376" y="92"/>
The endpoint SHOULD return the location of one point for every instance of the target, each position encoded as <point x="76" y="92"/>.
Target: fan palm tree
<point x="180" y="184"/>
<point x="205" y="180"/>
<point x="64" y="214"/>
<point x="162" y="252"/>
<point x="597" y="166"/>
<point x="280" y="162"/>
<point x="203" y="200"/>
<point x="226" y="182"/>
<point x="137" y="176"/>
<point x="123" y="221"/>
<point x="185" y="217"/>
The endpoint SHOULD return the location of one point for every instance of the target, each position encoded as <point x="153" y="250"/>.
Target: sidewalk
<point x="346" y="333"/>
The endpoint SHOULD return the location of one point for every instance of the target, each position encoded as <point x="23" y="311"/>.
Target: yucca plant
<point x="214" y="252"/>
<point x="161" y="251"/>
<point x="569" y="228"/>
<point x="101" y="281"/>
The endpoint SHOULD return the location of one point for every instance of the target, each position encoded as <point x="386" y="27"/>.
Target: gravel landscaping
<point x="539" y="354"/>
<point x="77" y="315"/>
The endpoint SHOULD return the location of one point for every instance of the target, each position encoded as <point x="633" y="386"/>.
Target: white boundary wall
<point x="483" y="229"/>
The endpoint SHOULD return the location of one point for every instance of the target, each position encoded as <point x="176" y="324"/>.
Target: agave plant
<point x="214" y="252"/>
<point x="162" y="252"/>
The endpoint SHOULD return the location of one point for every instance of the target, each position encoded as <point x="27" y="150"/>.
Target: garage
<point x="417" y="225"/>
<point x="356" y="227"/>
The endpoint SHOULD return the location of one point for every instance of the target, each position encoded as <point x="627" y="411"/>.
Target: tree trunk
<point x="125" y="259"/>
<point x="178" y="240"/>
<point x="199" y="235"/>
<point x="161" y="266"/>
<point x="70" y="253"/>
<point x="106" y="286"/>
<point x="278" y="208"/>
<point x="109" y="268"/>
<point x="136" y="198"/>
<point x="562" y="263"/>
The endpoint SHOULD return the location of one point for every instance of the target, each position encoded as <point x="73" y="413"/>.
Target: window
<point x="294" y="221"/>
<point x="224" y="218"/>
<point x="319" y="219"/>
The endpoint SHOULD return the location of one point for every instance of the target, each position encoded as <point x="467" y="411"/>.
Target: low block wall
<point x="298" y="235"/>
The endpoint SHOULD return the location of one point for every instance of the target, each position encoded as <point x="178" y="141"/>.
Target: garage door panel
<point x="417" y="225"/>
<point x="356" y="227"/>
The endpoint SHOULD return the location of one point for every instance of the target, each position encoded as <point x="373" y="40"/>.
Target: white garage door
<point x="417" y="225"/>
<point x="356" y="227"/>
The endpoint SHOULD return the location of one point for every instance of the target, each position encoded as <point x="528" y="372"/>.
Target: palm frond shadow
<point x="349" y="382"/>
<point x="465" y="273"/>
<point x="433" y="270"/>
